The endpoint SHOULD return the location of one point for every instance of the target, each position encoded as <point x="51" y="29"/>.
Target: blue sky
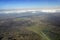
<point x="13" y="4"/>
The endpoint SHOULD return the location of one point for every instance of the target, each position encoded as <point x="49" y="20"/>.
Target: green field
<point x="37" y="29"/>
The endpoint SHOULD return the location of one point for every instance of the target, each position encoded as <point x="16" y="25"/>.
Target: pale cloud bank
<point x="33" y="11"/>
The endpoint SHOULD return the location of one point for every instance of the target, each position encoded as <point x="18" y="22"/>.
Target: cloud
<point x="48" y="11"/>
<point x="29" y="10"/>
<point x="16" y="11"/>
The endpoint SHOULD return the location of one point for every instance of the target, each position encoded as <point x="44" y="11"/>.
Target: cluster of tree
<point x="15" y="30"/>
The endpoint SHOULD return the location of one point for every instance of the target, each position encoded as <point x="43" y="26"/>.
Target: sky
<point x="16" y="4"/>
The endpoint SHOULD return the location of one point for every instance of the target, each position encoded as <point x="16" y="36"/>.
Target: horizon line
<point x="30" y="8"/>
